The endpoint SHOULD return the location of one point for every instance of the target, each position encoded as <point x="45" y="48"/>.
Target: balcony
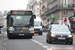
<point x="56" y="7"/>
<point x="42" y="15"/>
<point x="43" y="1"/>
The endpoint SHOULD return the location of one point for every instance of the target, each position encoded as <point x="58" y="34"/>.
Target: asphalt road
<point x="37" y="43"/>
<point x="1" y="41"/>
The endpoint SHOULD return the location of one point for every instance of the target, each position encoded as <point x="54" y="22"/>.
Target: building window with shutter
<point x="65" y="12"/>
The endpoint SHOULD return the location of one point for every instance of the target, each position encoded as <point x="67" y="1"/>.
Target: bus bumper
<point x="20" y="34"/>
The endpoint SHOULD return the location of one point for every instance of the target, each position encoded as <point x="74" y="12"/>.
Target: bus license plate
<point x="21" y="34"/>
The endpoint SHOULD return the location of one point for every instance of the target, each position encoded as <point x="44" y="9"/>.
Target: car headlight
<point x="52" y="35"/>
<point x="69" y="35"/>
<point x="11" y="28"/>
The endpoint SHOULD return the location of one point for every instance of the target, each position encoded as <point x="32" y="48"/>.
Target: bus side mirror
<point x="34" y="16"/>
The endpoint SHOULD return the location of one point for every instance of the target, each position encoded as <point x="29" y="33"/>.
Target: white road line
<point x="4" y="43"/>
<point x="40" y="44"/>
<point x="44" y="46"/>
<point x="5" y="38"/>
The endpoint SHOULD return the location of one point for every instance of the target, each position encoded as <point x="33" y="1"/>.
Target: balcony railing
<point x="43" y="1"/>
<point x="69" y="6"/>
<point x="42" y="15"/>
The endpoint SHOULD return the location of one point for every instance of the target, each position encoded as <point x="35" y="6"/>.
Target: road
<point x="36" y="43"/>
<point x="1" y="41"/>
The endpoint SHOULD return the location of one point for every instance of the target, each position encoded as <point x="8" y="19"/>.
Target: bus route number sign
<point x="28" y="13"/>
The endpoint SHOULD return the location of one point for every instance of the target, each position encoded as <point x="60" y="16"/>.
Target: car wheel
<point x="30" y="37"/>
<point x="9" y="37"/>
<point x="71" y="43"/>
<point x="66" y="42"/>
<point x="41" y="34"/>
<point x="49" y="41"/>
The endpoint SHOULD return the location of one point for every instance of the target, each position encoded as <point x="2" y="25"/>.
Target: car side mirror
<point x="34" y="16"/>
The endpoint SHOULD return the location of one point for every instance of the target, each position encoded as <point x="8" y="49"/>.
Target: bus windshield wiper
<point x="27" y="25"/>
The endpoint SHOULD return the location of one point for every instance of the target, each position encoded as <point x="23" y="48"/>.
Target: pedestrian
<point x="65" y="21"/>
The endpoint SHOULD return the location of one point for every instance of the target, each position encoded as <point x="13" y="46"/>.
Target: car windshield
<point x="60" y="28"/>
<point x="37" y="23"/>
<point x="20" y="20"/>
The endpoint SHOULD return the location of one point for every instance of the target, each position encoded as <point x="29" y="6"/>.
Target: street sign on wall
<point x="71" y="15"/>
<point x="52" y="15"/>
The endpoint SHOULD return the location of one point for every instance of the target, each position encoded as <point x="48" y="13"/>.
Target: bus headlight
<point x="31" y="29"/>
<point x="11" y="29"/>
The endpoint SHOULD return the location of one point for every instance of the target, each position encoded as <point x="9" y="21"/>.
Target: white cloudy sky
<point x="13" y="4"/>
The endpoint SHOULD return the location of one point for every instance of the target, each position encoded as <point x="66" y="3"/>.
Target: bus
<point x="20" y="23"/>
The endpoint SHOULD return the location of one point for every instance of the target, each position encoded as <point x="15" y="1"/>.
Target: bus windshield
<point x="20" y="20"/>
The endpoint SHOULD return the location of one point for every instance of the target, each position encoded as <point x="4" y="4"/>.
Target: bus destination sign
<point x="21" y="12"/>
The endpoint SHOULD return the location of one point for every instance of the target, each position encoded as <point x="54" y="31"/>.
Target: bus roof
<point x="20" y="10"/>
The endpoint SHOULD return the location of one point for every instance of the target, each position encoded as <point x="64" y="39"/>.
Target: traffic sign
<point x="71" y="15"/>
<point x="52" y="15"/>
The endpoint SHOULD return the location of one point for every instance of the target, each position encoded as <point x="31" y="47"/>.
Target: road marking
<point x="40" y="44"/>
<point x="4" y="43"/>
<point x="44" y="46"/>
<point x="5" y="38"/>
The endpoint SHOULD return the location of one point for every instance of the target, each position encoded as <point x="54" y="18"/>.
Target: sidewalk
<point x="1" y="42"/>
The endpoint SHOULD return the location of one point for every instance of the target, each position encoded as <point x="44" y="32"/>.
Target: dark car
<point x="59" y="33"/>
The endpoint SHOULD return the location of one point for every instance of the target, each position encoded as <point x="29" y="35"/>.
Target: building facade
<point x="43" y="8"/>
<point x="60" y="8"/>
<point x="34" y="6"/>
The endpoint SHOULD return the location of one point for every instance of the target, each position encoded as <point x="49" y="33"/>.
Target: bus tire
<point x="41" y="33"/>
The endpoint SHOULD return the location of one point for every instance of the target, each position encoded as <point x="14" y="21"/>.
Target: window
<point x="43" y="6"/>
<point x="37" y="14"/>
<point x="65" y="12"/>
<point x="37" y="8"/>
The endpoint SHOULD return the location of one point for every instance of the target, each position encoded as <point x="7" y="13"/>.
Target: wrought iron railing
<point x="61" y="6"/>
